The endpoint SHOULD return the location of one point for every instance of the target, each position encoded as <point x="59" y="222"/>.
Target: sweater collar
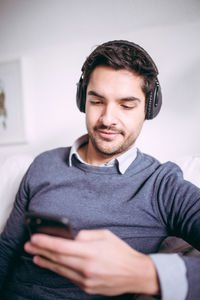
<point x="123" y="161"/>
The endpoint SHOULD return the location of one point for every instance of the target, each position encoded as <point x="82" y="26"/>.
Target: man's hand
<point x="97" y="261"/>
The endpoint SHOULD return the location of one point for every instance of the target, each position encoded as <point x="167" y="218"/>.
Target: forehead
<point x="108" y="73"/>
<point x="121" y="81"/>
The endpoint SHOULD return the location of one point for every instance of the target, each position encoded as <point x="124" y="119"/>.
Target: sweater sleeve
<point x="179" y="209"/>
<point x="13" y="236"/>
<point x="193" y="277"/>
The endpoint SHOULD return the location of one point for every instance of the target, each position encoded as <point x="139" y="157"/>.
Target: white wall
<point x="53" y="38"/>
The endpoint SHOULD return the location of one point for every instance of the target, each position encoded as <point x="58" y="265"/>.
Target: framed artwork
<point x="12" y="127"/>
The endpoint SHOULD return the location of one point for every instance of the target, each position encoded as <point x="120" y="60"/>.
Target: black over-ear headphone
<point x="154" y="100"/>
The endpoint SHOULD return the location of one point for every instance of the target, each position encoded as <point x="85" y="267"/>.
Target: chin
<point x="110" y="151"/>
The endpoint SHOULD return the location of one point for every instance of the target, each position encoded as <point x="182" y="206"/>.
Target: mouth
<point x="108" y="134"/>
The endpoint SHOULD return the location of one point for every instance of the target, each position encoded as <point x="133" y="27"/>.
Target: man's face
<point x="115" y="110"/>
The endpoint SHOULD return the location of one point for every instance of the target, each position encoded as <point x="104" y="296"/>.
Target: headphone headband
<point x="134" y="46"/>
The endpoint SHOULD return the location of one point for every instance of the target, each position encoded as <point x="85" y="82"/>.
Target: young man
<point x="122" y="203"/>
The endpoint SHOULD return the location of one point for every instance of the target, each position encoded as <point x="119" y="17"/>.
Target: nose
<point x="109" y="115"/>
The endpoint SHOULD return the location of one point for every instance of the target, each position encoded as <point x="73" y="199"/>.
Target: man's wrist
<point x="151" y="281"/>
<point x="145" y="280"/>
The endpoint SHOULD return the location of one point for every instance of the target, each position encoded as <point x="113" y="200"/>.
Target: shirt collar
<point x="74" y="149"/>
<point x="123" y="161"/>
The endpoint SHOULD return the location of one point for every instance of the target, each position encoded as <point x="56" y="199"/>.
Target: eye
<point x="95" y="102"/>
<point x="127" y="107"/>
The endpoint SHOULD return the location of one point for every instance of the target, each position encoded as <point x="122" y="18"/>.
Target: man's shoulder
<point x="165" y="167"/>
<point x="53" y="156"/>
<point x="146" y="161"/>
<point x="49" y="164"/>
<point x="147" y="157"/>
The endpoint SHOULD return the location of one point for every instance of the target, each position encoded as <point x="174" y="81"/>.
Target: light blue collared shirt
<point x="123" y="161"/>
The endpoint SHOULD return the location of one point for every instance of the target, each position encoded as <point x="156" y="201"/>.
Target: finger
<point x="32" y="249"/>
<point x="88" y="284"/>
<point x="60" y="245"/>
<point x="68" y="261"/>
<point x="69" y="273"/>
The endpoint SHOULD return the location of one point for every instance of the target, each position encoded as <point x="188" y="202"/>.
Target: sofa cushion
<point x="12" y="170"/>
<point x="191" y="168"/>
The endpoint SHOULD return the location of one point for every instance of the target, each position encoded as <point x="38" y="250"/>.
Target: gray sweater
<point x="143" y="206"/>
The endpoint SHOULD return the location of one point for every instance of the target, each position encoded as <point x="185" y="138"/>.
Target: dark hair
<point x="122" y="55"/>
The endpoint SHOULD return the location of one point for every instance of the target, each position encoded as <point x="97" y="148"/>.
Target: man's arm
<point x="178" y="203"/>
<point x="14" y="234"/>
<point x="97" y="261"/>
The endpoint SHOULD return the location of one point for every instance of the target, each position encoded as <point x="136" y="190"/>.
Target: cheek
<point x="92" y="115"/>
<point x="91" y="119"/>
<point x="134" y="124"/>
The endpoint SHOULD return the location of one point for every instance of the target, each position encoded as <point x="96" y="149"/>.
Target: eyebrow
<point x="93" y="93"/>
<point x="131" y="98"/>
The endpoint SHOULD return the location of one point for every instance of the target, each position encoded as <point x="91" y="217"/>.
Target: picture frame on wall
<point x="12" y="127"/>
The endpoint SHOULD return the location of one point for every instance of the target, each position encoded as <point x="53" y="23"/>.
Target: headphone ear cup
<point x="154" y="102"/>
<point x="81" y="95"/>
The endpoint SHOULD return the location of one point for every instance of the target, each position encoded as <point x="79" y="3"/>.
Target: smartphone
<point x="48" y="224"/>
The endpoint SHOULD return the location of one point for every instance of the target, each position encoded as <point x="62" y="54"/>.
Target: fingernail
<point x="34" y="238"/>
<point x="28" y="246"/>
<point x="36" y="260"/>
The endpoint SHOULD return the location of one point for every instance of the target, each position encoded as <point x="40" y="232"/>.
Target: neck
<point x="92" y="156"/>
